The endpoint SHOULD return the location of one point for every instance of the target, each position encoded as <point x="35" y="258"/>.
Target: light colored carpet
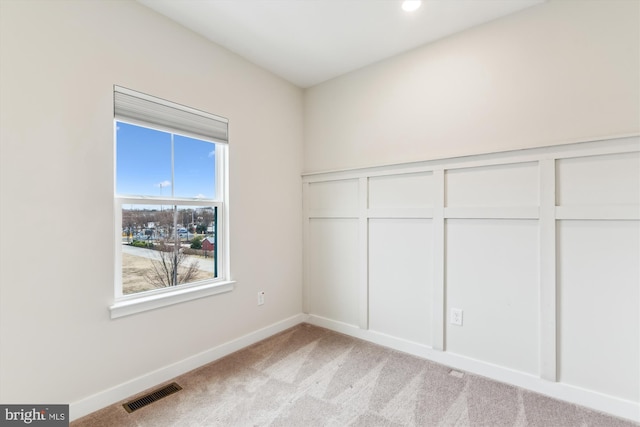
<point x="309" y="376"/>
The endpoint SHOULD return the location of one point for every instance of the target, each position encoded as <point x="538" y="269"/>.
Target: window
<point x="170" y="203"/>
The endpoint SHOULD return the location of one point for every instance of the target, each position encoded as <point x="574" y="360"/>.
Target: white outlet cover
<point x="456" y="317"/>
<point x="456" y="374"/>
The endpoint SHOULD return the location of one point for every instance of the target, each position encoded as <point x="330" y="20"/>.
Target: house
<point x="208" y="244"/>
<point x="500" y="165"/>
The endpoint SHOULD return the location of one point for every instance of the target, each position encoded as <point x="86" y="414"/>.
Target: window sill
<point x="151" y="302"/>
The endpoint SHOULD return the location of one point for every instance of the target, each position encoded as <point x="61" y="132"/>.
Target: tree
<point x="166" y="221"/>
<point x="207" y="216"/>
<point x="196" y="243"/>
<point x="171" y="268"/>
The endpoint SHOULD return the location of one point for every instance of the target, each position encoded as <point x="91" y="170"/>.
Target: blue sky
<point x="143" y="164"/>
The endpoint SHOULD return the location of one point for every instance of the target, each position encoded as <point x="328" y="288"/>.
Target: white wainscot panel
<point x="401" y="191"/>
<point x="599" y="292"/>
<point x="333" y="197"/>
<point x="599" y="180"/>
<point x="333" y="269"/>
<point x="502" y="185"/>
<point x="492" y="275"/>
<point x="401" y="278"/>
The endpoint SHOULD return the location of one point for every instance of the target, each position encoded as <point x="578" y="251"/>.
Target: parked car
<point x="183" y="234"/>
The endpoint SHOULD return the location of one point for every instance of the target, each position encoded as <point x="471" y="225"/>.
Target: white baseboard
<point x="568" y="393"/>
<point x="122" y="391"/>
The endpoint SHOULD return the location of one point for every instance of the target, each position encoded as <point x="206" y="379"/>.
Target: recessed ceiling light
<point x="411" y="5"/>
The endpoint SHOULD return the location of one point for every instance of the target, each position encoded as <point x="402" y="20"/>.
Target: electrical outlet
<point x="456" y="316"/>
<point x="260" y="297"/>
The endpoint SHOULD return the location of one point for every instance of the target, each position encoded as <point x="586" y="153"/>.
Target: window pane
<point x="194" y="168"/>
<point x="143" y="161"/>
<point x="157" y="239"/>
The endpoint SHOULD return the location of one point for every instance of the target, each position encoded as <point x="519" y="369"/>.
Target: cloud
<point x="212" y="153"/>
<point x="200" y="196"/>
<point x="163" y="184"/>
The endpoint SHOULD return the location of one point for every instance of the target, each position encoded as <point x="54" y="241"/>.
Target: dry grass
<point x="134" y="269"/>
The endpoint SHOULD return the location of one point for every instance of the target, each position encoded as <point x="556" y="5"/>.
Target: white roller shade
<point x="140" y="108"/>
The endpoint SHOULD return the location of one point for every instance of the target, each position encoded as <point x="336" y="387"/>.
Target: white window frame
<point x="124" y="305"/>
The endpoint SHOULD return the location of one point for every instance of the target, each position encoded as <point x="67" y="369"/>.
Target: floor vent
<point x="149" y="398"/>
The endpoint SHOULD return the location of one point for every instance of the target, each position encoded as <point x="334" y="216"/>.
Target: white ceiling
<point x="309" y="41"/>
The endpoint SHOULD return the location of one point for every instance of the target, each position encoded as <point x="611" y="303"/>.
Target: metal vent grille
<point x="149" y="398"/>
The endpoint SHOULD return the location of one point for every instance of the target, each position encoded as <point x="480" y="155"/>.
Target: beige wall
<point x="560" y="72"/>
<point x="59" y="63"/>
